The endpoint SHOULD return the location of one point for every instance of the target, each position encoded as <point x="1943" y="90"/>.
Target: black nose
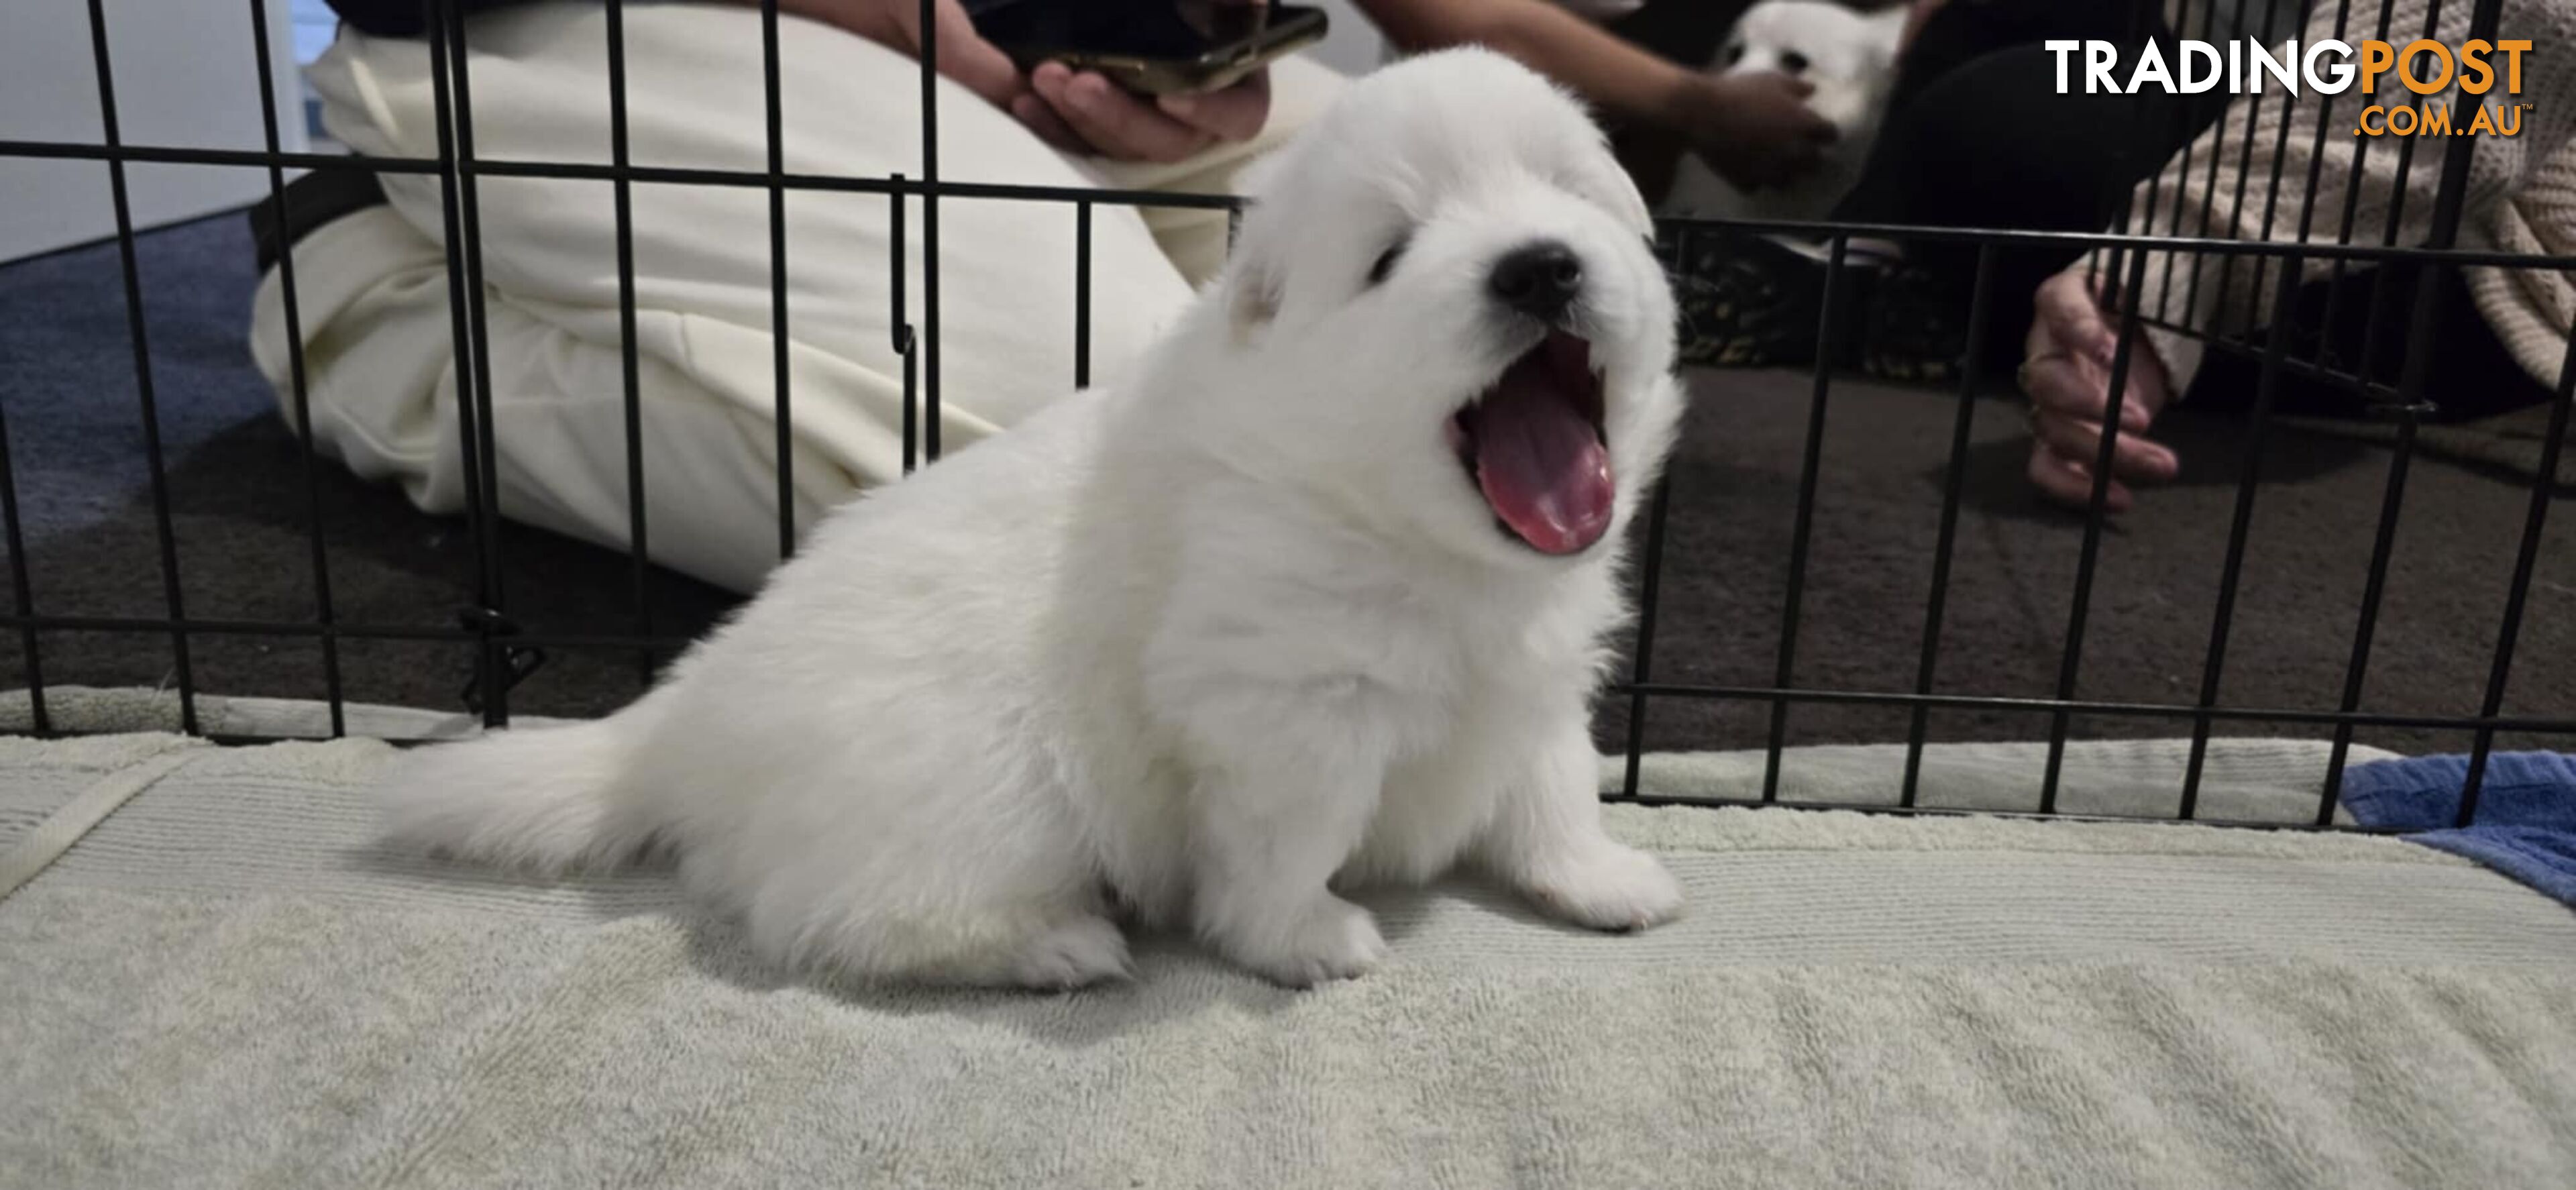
<point x="1539" y="279"/>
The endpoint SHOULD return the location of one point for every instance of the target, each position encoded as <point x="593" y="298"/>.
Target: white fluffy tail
<point x="535" y="799"/>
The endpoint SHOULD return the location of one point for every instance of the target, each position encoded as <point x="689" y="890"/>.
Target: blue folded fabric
<point x="2526" y="824"/>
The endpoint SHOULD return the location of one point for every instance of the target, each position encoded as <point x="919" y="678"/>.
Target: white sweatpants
<point x="372" y="287"/>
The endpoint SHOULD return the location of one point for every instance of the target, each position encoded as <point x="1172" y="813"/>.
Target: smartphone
<point x="1151" y="47"/>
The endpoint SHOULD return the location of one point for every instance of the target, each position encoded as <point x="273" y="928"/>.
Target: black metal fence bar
<point x="2142" y="21"/>
<point x="2352" y="189"/>
<point x="492" y="688"/>
<point x="298" y="394"/>
<point x="2240" y="524"/>
<point x="2525" y="724"/>
<point x="2448" y="205"/>
<point x="2389" y="227"/>
<point x="2267" y="389"/>
<point x="1650" y="578"/>
<point x="905" y="345"/>
<point x="930" y="348"/>
<point x="1945" y="541"/>
<point x="1888" y="808"/>
<point x="2272" y="185"/>
<point x="470" y="457"/>
<point x="2182" y="171"/>
<point x="163" y="535"/>
<point x="783" y="417"/>
<point x="2127" y="265"/>
<point x="2526" y="554"/>
<point x="2089" y="555"/>
<point x="1082" y="294"/>
<point x="496" y="641"/>
<point x="502" y="167"/>
<point x="21" y="588"/>
<point x="630" y="385"/>
<point x="1802" y="531"/>
<point x="1641" y="663"/>
<point x="2095" y="707"/>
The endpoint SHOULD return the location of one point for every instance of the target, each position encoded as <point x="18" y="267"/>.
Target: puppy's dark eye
<point x="1735" y="53"/>
<point x="1793" y="62"/>
<point x="1386" y="262"/>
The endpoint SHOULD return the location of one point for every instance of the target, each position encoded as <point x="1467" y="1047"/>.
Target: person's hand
<point x="1078" y="112"/>
<point x="1081" y="111"/>
<point x="1755" y="128"/>
<point x="2066" y="372"/>
<point x="964" y="55"/>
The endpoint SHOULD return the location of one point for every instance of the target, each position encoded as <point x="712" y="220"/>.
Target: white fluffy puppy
<point x="1314" y="599"/>
<point x="1849" y="57"/>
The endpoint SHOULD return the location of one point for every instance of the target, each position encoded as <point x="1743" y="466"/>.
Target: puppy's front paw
<point x="1333" y="940"/>
<point x="1078" y="953"/>
<point x="1605" y="887"/>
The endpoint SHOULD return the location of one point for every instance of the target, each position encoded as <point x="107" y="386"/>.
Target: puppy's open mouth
<point x="1534" y="445"/>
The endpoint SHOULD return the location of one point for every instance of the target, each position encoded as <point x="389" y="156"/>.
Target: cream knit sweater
<point x="2521" y="193"/>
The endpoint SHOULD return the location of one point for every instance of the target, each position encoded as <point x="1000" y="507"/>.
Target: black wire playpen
<point x="501" y="650"/>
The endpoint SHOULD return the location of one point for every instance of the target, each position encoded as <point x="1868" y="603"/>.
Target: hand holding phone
<point x="1143" y="80"/>
<point x="1083" y="112"/>
<point x="1077" y="111"/>
<point x="1150" y="47"/>
<point x="965" y="57"/>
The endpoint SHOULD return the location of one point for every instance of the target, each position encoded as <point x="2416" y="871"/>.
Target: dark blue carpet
<point x="240" y="511"/>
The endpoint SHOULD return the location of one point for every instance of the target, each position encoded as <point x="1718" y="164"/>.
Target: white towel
<point x="227" y="984"/>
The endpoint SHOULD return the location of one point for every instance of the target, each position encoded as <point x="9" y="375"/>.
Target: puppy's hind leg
<point x="986" y="884"/>
<point x="1049" y="941"/>
<point x="1546" y="842"/>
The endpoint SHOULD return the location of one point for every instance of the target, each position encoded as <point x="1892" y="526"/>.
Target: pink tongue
<point x="1542" y="467"/>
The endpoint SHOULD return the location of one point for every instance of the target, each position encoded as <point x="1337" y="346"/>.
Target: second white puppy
<point x="1315" y="599"/>
<point x="1850" y="59"/>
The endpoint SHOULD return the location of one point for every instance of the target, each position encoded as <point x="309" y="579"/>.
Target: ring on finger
<point x="2022" y="374"/>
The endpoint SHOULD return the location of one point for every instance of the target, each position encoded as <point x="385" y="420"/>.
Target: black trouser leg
<point x="1974" y="148"/>
<point x="2473" y="376"/>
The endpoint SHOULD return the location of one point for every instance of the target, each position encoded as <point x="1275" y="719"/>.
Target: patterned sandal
<point x="1745" y="301"/>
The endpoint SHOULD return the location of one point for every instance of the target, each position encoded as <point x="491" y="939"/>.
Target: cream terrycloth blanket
<point x="223" y="982"/>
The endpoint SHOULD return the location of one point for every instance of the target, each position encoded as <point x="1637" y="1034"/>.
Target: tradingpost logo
<point x="2329" y="67"/>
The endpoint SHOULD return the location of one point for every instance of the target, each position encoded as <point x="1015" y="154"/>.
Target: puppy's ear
<point x="1619" y="194"/>
<point x="1251" y="291"/>
<point x="1251" y="281"/>
<point x="1885" y="29"/>
<point x="1632" y="204"/>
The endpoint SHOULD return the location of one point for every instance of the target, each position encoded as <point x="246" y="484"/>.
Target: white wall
<point x="185" y="76"/>
<point x="1352" y="46"/>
